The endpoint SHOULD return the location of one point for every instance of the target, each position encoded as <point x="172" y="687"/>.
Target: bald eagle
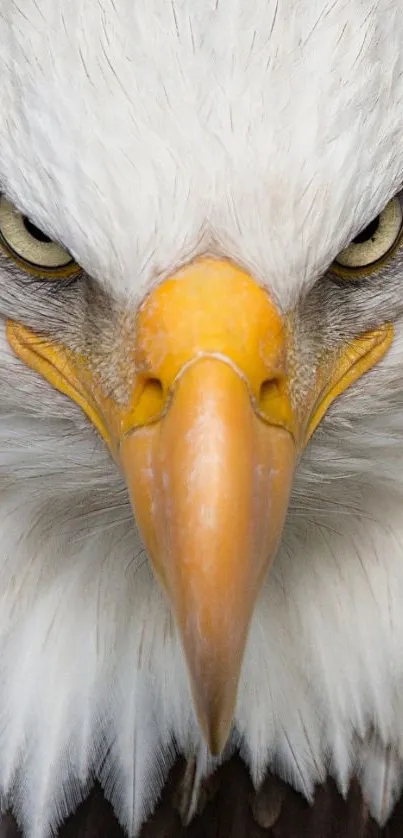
<point x="201" y="434"/>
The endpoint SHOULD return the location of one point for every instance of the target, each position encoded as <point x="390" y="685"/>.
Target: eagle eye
<point x="30" y="247"/>
<point x="375" y="243"/>
<point x="35" y="232"/>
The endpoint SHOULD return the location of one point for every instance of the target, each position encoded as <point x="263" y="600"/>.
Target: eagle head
<point x="200" y="395"/>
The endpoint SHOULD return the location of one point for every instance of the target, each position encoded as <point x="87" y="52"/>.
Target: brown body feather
<point x="229" y="808"/>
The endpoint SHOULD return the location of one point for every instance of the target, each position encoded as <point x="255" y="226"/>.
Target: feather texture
<point x="231" y="809"/>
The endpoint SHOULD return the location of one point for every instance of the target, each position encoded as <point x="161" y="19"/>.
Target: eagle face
<point x="200" y="368"/>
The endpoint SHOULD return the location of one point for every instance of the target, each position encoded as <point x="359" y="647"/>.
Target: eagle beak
<point x="208" y="453"/>
<point x="208" y="443"/>
<point x="209" y="483"/>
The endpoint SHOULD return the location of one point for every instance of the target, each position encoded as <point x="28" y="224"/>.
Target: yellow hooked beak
<point x="208" y="442"/>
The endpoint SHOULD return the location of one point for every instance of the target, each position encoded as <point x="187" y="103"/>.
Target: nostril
<point x="153" y="388"/>
<point x="269" y="392"/>
<point x="151" y="401"/>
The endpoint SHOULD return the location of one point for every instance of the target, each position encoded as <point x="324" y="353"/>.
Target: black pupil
<point x="35" y="232"/>
<point x="369" y="231"/>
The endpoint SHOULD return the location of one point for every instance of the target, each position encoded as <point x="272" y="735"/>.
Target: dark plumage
<point x="231" y="809"/>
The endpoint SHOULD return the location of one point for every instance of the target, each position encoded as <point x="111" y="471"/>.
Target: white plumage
<point x="142" y="134"/>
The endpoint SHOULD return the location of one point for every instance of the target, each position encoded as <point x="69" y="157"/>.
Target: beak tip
<point x="216" y="736"/>
<point x="216" y="727"/>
